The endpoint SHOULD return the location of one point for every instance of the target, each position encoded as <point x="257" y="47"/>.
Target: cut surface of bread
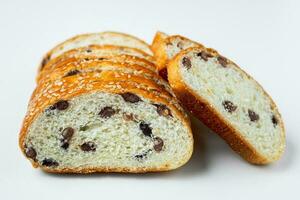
<point x="81" y="125"/>
<point x="104" y="51"/>
<point x="103" y="38"/>
<point x="230" y="102"/>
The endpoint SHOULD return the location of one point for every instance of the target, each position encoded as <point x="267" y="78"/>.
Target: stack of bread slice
<point x="100" y="106"/>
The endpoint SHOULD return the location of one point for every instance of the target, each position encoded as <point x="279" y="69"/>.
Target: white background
<point x="261" y="36"/>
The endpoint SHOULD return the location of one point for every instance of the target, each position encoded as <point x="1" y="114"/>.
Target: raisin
<point x="253" y="116"/>
<point x="142" y="155"/>
<point x="107" y="112"/>
<point x="72" y="73"/>
<point x="229" y="106"/>
<point x="180" y="45"/>
<point x="186" y="62"/>
<point x="204" y="55"/>
<point x="158" y="144"/>
<point x="130" y="97"/>
<point x="49" y="162"/>
<point x="30" y="153"/>
<point x="163" y="110"/>
<point x="164" y="73"/>
<point x="274" y="120"/>
<point x="222" y="61"/>
<point x="88" y="146"/>
<point x="67" y="135"/>
<point x="60" y="105"/>
<point x="146" y="129"/>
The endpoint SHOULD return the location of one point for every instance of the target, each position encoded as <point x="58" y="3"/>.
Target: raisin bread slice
<point x="84" y="60"/>
<point x="166" y="47"/>
<point x="84" y="125"/>
<point x="105" y="51"/>
<point x="82" y="66"/>
<point x="103" y="38"/>
<point x="230" y="102"/>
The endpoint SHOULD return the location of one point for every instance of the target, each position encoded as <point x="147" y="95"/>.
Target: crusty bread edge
<point x="199" y="107"/>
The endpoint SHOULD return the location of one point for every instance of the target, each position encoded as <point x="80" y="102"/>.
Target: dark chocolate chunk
<point x="163" y="110"/>
<point x="49" y="162"/>
<point x="158" y="144"/>
<point x="107" y="112"/>
<point x="204" y="55"/>
<point x="30" y="153"/>
<point x="274" y="120"/>
<point x="146" y="129"/>
<point x="88" y="146"/>
<point x="186" y="62"/>
<point x="60" y="105"/>
<point x="253" y="116"/>
<point x="72" y="73"/>
<point x="67" y="135"/>
<point x="229" y="106"/>
<point x="222" y="61"/>
<point x="130" y="97"/>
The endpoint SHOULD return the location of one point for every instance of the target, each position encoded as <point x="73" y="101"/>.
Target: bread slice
<point x="104" y="51"/>
<point x="165" y="47"/>
<point x="83" y="124"/>
<point x="82" y="66"/>
<point x="103" y="38"/>
<point x="230" y="102"/>
<point x="85" y="59"/>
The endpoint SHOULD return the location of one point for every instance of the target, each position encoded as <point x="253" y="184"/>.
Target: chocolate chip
<point x="88" y="50"/>
<point x="67" y="135"/>
<point x="158" y="144"/>
<point x="107" y="112"/>
<point x="72" y="73"/>
<point x="130" y="97"/>
<point x="60" y="105"/>
<point x="186" y="62"/>
<point x="86" y="59"/>
<point x="146" y="129"/>
<point x="204" y="55"/>
<point x="49" y="162"/>
<point x="222" y="61"/>
<point x="229" y="106"/>
<point x="30" y="153"/>
<point x="88" y="146"/>
<point x="163" y="110"/>
<point x="274" y="120"/>
<point x="100" y="59"/>
<point x="253" y="116"/>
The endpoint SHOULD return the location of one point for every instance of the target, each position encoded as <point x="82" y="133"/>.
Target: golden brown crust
<point x="200" y="107"/>
<point x="75" y="66"/>
<point x="48" y="55"/>
<point x="159" y="46"/>
<point x="108" y="51"/>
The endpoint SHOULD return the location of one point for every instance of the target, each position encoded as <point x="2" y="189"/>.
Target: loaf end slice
<point x="230" y="102"/>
